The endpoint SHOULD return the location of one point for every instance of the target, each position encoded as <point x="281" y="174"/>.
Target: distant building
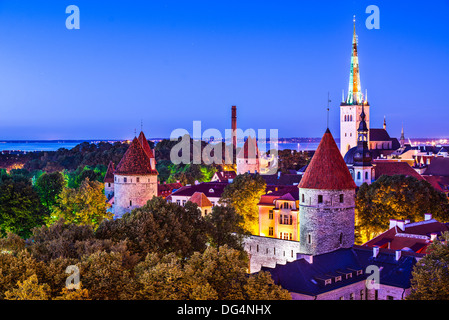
<point x="248" y="158"/>
<point x="223" y="176"/>
<point x="410" y="236"/>
<point x="211" y="190"/>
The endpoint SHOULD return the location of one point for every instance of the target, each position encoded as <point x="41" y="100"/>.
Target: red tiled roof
<point x="144" y="142"/>
<point x="393" y="168"/>
<point x="109" y="176"/>
<point x="327" y="169"/>
<point x="164" y="190"/>
<point x="438" y="167"/>
<point x="201" y="200"/>
<point x="135" y="161"/>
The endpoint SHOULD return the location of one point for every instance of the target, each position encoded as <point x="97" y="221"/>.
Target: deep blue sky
<point x="172" y="62"/>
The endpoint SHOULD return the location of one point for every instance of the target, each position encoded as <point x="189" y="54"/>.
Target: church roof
<point x="135" y="161"/>
<point x="109" y="176"/>
<point x="327" y="169"/>
<point x="378" y="135"/>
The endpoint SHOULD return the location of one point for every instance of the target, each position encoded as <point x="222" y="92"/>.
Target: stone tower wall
<point x="326" y="226"/>
<point x="133" y="193"/>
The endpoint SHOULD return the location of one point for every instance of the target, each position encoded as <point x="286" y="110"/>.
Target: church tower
<point x="362" y="156"/>
<point x="326" y="201"/>
<point x="351" y="107"/>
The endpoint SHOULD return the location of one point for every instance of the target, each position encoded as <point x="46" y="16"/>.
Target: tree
<point x="48" y="187"/>
<point x="243" y="194"/>
<point x="86" y="205"/>
<point x="396" y="197"/>
<point x="159" y="226"/>
<point x="29" y="289"/>
<point x="431" y="273"/>
<point x="20" y="208"/>
<point x="225" y="227"/>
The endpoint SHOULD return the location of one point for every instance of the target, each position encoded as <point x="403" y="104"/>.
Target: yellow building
<point x="278" y="214"/>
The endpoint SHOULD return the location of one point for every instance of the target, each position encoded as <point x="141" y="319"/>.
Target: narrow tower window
<point x="320" y="198"/>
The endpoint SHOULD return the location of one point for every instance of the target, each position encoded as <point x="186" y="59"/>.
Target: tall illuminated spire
<point x="354" y="92"/>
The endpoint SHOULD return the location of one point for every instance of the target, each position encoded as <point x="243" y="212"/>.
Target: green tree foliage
<point x="396" y="197"/>
<point x="20" y="208"/>
<point x="86" y="205"/>
<point x="211" y="275"/>
<point x="243" y="194"/>
<point x="225" y="227"/>
<point x="159" y="227"/>
<point x="48" y="187"/>
<point x="431" y="273"/>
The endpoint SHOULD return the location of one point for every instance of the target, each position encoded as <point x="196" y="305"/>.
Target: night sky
<point x="168" y="63"/>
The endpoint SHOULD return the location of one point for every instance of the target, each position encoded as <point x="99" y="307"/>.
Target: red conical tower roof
<point x="144" y="142"/>
<point x="135" y="161"/>
<point x="327" y="170"/>
<point x="109" y="176"/>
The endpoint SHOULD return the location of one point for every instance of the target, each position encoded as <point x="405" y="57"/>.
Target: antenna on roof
<point x="135" y="134"/>
<point x="141" y="125"/>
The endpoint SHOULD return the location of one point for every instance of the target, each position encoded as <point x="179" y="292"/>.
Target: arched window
<point x="358" y="175"/>
<point x="366" y="175"/>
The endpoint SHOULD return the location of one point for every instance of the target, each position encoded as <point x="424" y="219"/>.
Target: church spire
<point x="354" y="90"/>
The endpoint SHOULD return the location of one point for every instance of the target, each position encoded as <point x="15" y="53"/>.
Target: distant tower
<point x="234" y="127"/>
<point x="351" y="108"/>
<point x="402" y="139"/>
<point x="385" y="123"/>
<point x="248" y="157"/>
<point x="109" y="181"/>
<point x="135" y="179"/>
<point x="362" y="156"/>
<point x="326" y="201"/>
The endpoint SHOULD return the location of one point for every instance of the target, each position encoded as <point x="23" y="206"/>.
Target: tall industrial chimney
<point x="234" y="126"/>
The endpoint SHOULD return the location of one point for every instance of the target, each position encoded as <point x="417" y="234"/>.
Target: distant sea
<point x="298" y="144"/>
<point x="40" y="145"/>
<point x="53" y="145"/>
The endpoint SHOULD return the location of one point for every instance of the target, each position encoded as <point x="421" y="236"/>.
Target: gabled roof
<point x="390" y="168"/>
<point x="439" y="166"/>
<point x="224" y="176"/>
<point x="327" y="169"/>
<point x="249" y="149"/>
<point x="378" y="135"/>
<point x="164" y="190"/>
<point x="135" y="161"/>
<point x="210" y="189"/>
<point x="201" y="200"/>
<point x="109" y="176"/>
<point x="415" y="237"/>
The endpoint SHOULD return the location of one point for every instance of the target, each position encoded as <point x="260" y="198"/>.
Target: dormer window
<point x="211" y="190"/>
